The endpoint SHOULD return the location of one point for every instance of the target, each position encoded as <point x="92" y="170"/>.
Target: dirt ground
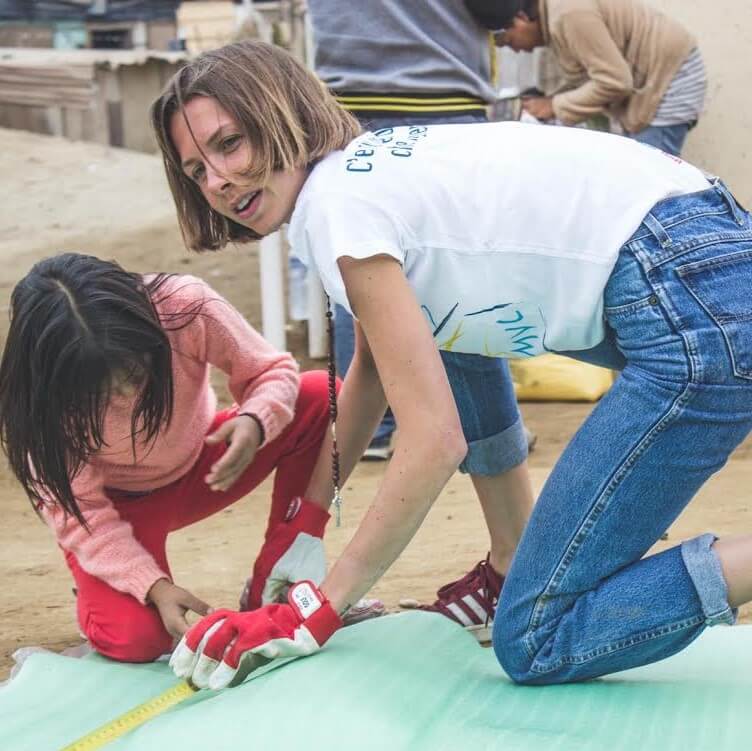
<point x="59" y="195"/>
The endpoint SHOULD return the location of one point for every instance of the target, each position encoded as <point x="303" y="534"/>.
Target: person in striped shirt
<point x="618" y="57"/>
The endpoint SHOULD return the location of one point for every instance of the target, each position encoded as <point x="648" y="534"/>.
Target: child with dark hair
<point x="111" y="427"/>
<point x="500" y="240"/>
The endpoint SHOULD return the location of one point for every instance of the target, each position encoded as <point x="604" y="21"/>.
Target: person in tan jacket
<point x="618" y="57"/>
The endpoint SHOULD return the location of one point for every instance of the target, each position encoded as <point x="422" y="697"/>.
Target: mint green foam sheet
<point x="411" y="681"/>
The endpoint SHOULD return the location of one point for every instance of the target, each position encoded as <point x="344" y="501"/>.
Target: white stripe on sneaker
<point x="476" y="607"/>
<point x="459" y="614"/>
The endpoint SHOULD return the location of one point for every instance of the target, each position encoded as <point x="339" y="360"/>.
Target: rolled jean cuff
<point x="497" y="453"/>
<point x="704" y="569"/>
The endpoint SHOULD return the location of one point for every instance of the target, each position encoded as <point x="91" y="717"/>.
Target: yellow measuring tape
<point x="132" y="718"/>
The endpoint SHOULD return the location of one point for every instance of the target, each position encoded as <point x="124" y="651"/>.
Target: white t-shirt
<point x="507" y="232"/>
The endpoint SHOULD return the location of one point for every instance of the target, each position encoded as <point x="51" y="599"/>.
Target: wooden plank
<point x="160" y="34"/>
<point x="19" y="35"/>
<point x="13" y="116"/>
<point x="140" y="85"/>
<point x="99" y="116"/>
<point x="206" y="25"/>
<point x="45" y="99"/>
<point x="54" y="117"/>
<point x="38" y="121"/>
<point x="71" y="86"/>
<point x="73" y="123"/>
<point x="109" y="82"/>
<point x="115" y="123"/>
<point x="166" y="71"/>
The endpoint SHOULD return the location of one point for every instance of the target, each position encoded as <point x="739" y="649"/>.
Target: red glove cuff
<point x="306" y="516"/>
<point x="316" y="612"/>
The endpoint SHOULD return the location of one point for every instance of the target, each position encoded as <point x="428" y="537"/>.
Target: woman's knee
<point x="511" y="651"/>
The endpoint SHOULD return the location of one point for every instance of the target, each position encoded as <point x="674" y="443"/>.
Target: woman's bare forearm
<point x="420" y="467"/>
<point x="429" y="444"/>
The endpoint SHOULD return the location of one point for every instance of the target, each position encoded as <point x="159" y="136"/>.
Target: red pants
<point x="117" y="624"/>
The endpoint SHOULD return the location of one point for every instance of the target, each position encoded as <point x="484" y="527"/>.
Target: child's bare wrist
<point x="259" y="425"/>
<point x="157" y="589"/>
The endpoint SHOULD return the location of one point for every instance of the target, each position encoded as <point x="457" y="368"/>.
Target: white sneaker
<point x="379" y="450"/>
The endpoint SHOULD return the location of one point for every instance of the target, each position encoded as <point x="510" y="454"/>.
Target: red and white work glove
<point x="224" y="647"/>
<point x="292" y="551"/>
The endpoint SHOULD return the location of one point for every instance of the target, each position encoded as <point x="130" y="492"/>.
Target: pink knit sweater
<point x="263" y="381"/>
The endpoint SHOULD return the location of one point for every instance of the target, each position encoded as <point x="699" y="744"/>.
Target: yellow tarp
<point x="554" y="378"/>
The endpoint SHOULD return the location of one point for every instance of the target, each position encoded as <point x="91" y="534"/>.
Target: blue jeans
<point x="482" y="386"/>
<point x="580" y="599"/>
<point x="668" y="138"/>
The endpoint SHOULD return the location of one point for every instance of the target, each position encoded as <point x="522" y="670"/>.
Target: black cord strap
<point x="333" y="412"/>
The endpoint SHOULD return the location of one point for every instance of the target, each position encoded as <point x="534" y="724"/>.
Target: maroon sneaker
<point x="469" y="601"/>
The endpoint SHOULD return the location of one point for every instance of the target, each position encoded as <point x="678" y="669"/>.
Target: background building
<point x="721" y="141"/>
<point x="77" y="24"/>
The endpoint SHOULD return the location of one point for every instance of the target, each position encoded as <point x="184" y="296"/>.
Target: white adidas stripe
<point x="459" y="614"/>
<point x="476" y="607"/>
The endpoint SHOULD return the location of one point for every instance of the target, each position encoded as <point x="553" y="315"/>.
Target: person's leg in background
<point x="497" y="448"/>
<point x="497" y="464"/>
<point x="344" y="347"/>
<point x="668" y="138"/>
<point x="343" y="326"/>
<point x="679" y="109"/>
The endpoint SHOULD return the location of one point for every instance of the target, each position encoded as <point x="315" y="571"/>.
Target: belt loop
<point x="736" y="210"/>
<point x="657" y="229"/>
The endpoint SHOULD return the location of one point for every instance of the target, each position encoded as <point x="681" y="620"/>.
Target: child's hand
<point x="243" y="436"/>
<point x="173" y="603"/>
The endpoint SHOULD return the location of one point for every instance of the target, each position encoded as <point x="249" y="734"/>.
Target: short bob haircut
<point x="288" y="117"/>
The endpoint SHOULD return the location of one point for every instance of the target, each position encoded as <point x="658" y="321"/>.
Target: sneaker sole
<point x="376" y="455"/>
<point x="481" y="632"/>
<point x="363" y="610"/>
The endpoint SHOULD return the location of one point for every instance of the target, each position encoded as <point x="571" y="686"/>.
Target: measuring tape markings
<point x="133" y="718"/>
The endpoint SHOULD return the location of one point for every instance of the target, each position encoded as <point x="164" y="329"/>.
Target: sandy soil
<point x="59" y="195"/>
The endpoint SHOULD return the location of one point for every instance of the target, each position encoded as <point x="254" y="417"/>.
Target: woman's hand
<point x="223" y="649"/>
<point x="172" y="603"/>
<point x="243" y="436"/>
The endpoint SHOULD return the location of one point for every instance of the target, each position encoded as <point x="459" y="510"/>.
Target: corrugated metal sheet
<point x="14" y="10"/>
<point x="47" y="85"/>
<point x="30" y="56"/>
<point x="93" y="95"/>
<point x="88" y="10"/>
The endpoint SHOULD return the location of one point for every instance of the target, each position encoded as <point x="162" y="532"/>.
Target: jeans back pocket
<point x="723" y="288"/>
